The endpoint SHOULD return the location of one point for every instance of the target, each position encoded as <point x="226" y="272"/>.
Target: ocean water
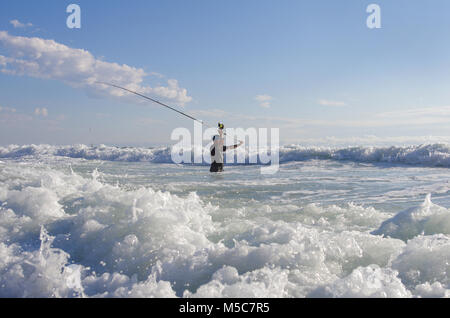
<point x="80" y="221"/>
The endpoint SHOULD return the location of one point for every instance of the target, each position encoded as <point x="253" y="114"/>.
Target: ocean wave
<point x="437" y="155"/>
<point x="433" y="155"/>
<point x="67" y="235"/>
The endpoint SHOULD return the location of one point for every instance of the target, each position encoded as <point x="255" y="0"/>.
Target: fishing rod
<point x="155" y="101"/>
<point x="162" y="104"/>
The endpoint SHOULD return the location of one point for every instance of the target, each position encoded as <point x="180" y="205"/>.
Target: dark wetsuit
<point x="215" y="166"/>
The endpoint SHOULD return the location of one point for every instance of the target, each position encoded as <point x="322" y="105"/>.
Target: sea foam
<point x="428" y="219"/>
<point x="63" y="234"/>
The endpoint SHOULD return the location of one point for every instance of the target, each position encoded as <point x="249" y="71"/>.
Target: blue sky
<point x="311" y="68"/>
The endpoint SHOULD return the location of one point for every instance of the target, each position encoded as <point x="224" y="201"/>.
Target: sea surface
<point x="103" y="221"/>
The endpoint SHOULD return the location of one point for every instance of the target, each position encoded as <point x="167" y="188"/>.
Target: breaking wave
<point x="433" y="155"/>
<point x="65" y="235"/>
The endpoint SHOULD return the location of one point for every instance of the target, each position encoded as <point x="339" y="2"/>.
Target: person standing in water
<point x="217" y="149"/>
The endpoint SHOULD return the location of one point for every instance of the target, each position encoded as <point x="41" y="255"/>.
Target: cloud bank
<point x="47" y="59"/>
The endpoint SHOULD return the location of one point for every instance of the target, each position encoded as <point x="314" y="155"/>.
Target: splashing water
<point x="324" y="226"/>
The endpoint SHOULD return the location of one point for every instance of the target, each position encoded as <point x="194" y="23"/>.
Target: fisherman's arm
<point x="225" y="148"/>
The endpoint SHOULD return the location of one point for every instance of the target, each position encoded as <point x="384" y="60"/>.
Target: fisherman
<point x="217" y="150"/>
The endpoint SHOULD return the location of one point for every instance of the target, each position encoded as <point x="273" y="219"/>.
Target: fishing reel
<point x="221" y="126"/>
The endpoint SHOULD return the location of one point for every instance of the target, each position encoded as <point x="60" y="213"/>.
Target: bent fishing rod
<point x="159" y="103"/>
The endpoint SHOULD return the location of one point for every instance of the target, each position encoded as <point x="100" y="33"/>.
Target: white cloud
<point x="264" y="100"/>
<point x="326" y="102"/>
<point x="156" y="74"/>
<point x="47" y="59"/>
<point x="18" y="24"/>
<point x="41" y="112"/>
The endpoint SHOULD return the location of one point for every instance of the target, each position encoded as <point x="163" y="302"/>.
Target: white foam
<point x="365" y="282"/>
<point x="226" y="282"/>
<point x="114" y="241"/>
<point x="435" y="290"/>
<point x="425" y="259"/>
<point x="43" y="272"/>
<point x="428" y="218"/>
<point x="125" y="230"/>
